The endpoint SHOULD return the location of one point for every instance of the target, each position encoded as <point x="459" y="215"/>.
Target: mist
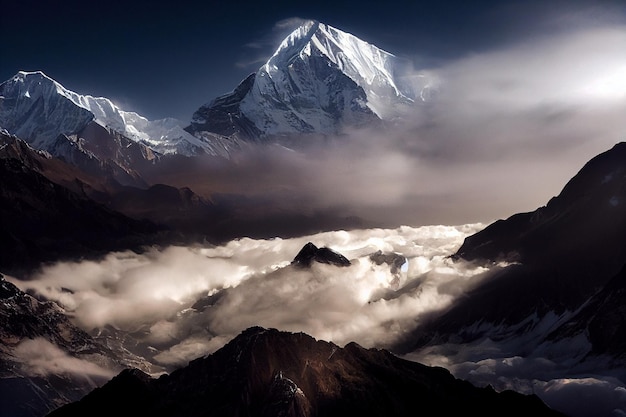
<point x="39" y="357"/>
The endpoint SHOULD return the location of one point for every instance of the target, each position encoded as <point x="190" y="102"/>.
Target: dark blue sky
<point x="168" y="58"/>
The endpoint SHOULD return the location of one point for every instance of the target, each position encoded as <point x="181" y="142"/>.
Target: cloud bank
<point x="181" y="303"/>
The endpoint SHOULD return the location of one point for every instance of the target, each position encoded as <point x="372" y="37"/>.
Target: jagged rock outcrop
<point x="311" y="253"/>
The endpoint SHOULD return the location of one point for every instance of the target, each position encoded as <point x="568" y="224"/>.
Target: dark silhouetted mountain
<point x="311" y="253"/>
<point x="566" y="261"/>
<point x="271" y="373"/>
<point x="602" y="319"/>
<point x="586" y="219"/>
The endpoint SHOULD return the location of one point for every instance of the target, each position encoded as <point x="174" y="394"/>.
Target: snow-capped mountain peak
<point x="37" y="84"/>
<point x="366" y="64"/>
<point x="36" y="108"/>
<point x="319" y="80"/>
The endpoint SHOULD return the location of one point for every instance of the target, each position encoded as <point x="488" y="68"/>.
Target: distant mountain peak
<point x="319" y="80"/>
<point x="365" y="63"/>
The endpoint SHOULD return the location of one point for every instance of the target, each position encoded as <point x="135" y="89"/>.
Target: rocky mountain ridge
<point x="265" y="372"/>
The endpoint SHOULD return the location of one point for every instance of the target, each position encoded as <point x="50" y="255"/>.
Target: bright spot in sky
<point x="609" y="86"/>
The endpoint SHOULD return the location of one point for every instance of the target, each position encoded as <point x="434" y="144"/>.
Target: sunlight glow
<point x="610" y="85"/>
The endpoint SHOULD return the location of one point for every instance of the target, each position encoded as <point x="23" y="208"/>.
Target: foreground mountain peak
<point x="266" y="372"/>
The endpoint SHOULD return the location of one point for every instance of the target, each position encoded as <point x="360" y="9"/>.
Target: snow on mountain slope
<point x="38" y="109"/>
<point x="372" y="69"/>
<point x="319" y="80"/>
<point x="34" y="107"/>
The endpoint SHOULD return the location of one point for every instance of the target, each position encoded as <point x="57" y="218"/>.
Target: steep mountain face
<point x="585" y="220"/>
<point x="570" y="248"/>
<point x="41" y="111"/>
<point x="603" y="320"/>
<point x="270" y="373"/>
<point x="565" y="280"/>
<point x="36" y="108"/>
<point x="319" y="80"/>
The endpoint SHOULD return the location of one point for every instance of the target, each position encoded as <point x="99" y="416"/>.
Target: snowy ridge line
<point x="164" y="136"/>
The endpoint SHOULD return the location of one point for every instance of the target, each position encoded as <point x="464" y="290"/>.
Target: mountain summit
<point x="319" y="80"/>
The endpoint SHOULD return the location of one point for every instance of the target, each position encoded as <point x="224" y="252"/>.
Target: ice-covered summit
<point x="370" y="67"/>
<point x="319" y="80"/>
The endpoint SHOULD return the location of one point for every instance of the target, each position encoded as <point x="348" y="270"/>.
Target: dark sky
<point x="168" y="58"/>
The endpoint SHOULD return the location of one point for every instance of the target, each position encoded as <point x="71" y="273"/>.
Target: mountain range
<point x="82" y="177"/>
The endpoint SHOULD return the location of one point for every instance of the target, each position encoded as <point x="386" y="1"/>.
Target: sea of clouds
<point x="180" y="303"/>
